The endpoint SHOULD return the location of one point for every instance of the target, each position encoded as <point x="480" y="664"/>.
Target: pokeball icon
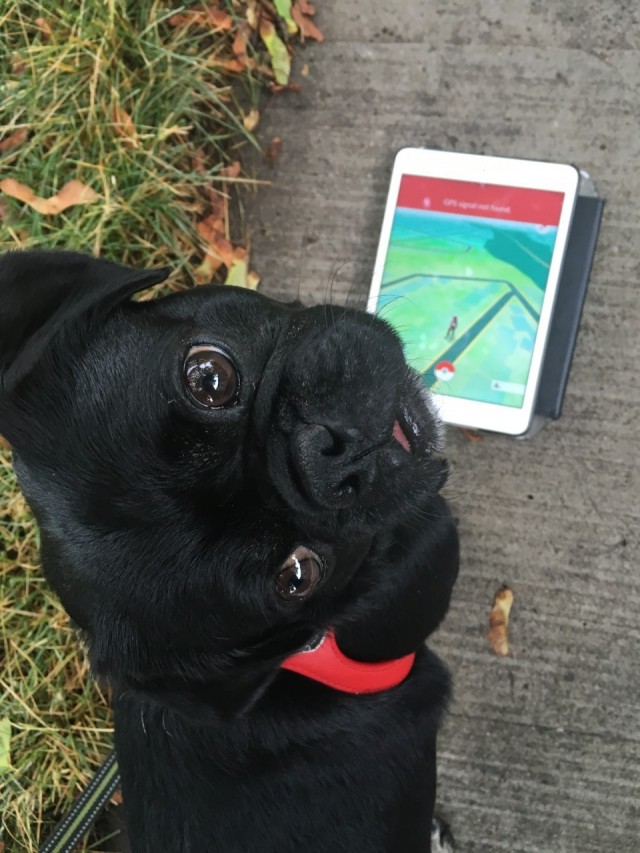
<point x="444" y="371"/>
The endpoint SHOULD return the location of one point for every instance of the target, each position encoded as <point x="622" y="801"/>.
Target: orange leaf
<point x="14" y="140"/>
<point x="233" y="65"/>
<point x="72" y="193"/>
<point x="124" y="126"/>
<point x="232" y="170"/>
<point x="499" y="621"/>
<point x="4" y="443"/>
<point x="43" y="25"/>
<point x="300" y="12"/>
<point x="217" y="246"/>
<point x="202" y="16"/>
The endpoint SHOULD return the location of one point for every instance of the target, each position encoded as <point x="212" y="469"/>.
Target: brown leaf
<point x="218" y="250"/>
<point x="251" y="120"/>
<point x="300" y="12"/>
<point x="232" y="170"/>
<point x="305" y="70"/>
<point x="4" y="444"/>
<point x="14" y="140"/>
<point x="124" y="126"/>
<point x="290" y="87"/>
<point x="499" y="621"/>
<point x="471" y="434"/>
<point x="273" y="152"/>
<point x="72" y="193"/>
<point x="43" y="25"/>
<point x="116" y="797"/>
<point x="202" y="16"/>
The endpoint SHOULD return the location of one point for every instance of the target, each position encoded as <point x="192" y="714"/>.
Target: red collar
<point x="328" y="665"/>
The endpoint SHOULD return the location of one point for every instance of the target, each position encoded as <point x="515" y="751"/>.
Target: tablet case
<point x="570" y="297"/>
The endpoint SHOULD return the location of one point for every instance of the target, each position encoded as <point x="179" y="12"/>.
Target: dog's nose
<point x="336" y="463"/>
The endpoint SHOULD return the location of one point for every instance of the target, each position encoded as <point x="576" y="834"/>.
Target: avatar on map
<point x="451" y="331"/>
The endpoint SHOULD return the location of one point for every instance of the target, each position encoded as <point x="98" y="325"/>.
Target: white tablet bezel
<point x="525" y="174"/>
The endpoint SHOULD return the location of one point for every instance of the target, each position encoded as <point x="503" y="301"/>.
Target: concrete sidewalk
<point x="541" y="751"/>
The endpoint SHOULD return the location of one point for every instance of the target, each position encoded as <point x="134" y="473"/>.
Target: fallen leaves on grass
<point x="202" y="16"/>
<point x="278" y="52"/>
<point x="71" y="194"/>
<point x="14" y="140"/>
<point x="301" y="14"/>
<point x="124" y="127"/>
<point x="499" y="621"/>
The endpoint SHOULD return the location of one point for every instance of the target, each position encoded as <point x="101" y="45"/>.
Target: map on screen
<point x="464" y="281"/>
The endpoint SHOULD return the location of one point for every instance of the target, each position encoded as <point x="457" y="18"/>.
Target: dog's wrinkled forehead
<point x="198" y="397"/>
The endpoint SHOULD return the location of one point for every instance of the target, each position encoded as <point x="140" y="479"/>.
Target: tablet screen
<point x="464" y="281"/>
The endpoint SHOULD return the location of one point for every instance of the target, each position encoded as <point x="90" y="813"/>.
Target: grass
<point x="113" y="94"/>
<point x="68" y="91"/>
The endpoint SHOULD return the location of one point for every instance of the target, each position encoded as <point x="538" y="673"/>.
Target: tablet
<point x="467" y="270"/>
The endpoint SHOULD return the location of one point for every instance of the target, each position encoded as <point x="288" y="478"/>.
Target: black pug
<point x="239" y="508"/>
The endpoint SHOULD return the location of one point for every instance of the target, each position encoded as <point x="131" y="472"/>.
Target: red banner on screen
<point x="490" y="201"/>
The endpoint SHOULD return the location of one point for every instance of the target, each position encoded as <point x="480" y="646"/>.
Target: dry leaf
<point x="273" y="152"/>
<point x="116" y="797"/>
<point x="239" y="48"/>
<point x="218" y="250"/>
<point x="499" y="621"/>
<point x="4" y="444"/>
<point x="202" y="16"/>
<point x="14" y="140"/>
<point x="43" y="25"/>
<point x="72" y="193"/>
<point x="238" y="274"/>
<point x="278" y="52"/>
<point x="251" y="120"/>
<point x="124" y="126"/>
<point x="305" y="70"/>
<point x="232" y="170"/>
<point x="252" y="14"/>
<point x="471" y="434"/>
<point x="300" y="14"/>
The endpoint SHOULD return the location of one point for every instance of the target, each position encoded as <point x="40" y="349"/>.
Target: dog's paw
<point x="441" y="838"/>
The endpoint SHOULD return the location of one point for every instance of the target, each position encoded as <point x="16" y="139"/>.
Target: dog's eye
<point x="210" y="376"/>
<point x="299" y="575"/>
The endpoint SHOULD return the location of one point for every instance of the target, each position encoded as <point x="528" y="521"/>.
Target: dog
<point x="239" y="505"/>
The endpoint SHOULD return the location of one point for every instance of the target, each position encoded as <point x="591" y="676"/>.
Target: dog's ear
<point x="42" y="291"/>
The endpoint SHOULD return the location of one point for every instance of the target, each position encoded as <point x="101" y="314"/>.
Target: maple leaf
<point x="71" y="194"/>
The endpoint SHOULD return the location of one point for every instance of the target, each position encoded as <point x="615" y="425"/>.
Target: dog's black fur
<point x="164" y="524"/>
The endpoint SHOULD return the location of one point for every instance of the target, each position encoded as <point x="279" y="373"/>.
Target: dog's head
<point x="210" y="470"/>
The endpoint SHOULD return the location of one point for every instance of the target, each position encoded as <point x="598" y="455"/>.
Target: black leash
<point x="72" y="827"/>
